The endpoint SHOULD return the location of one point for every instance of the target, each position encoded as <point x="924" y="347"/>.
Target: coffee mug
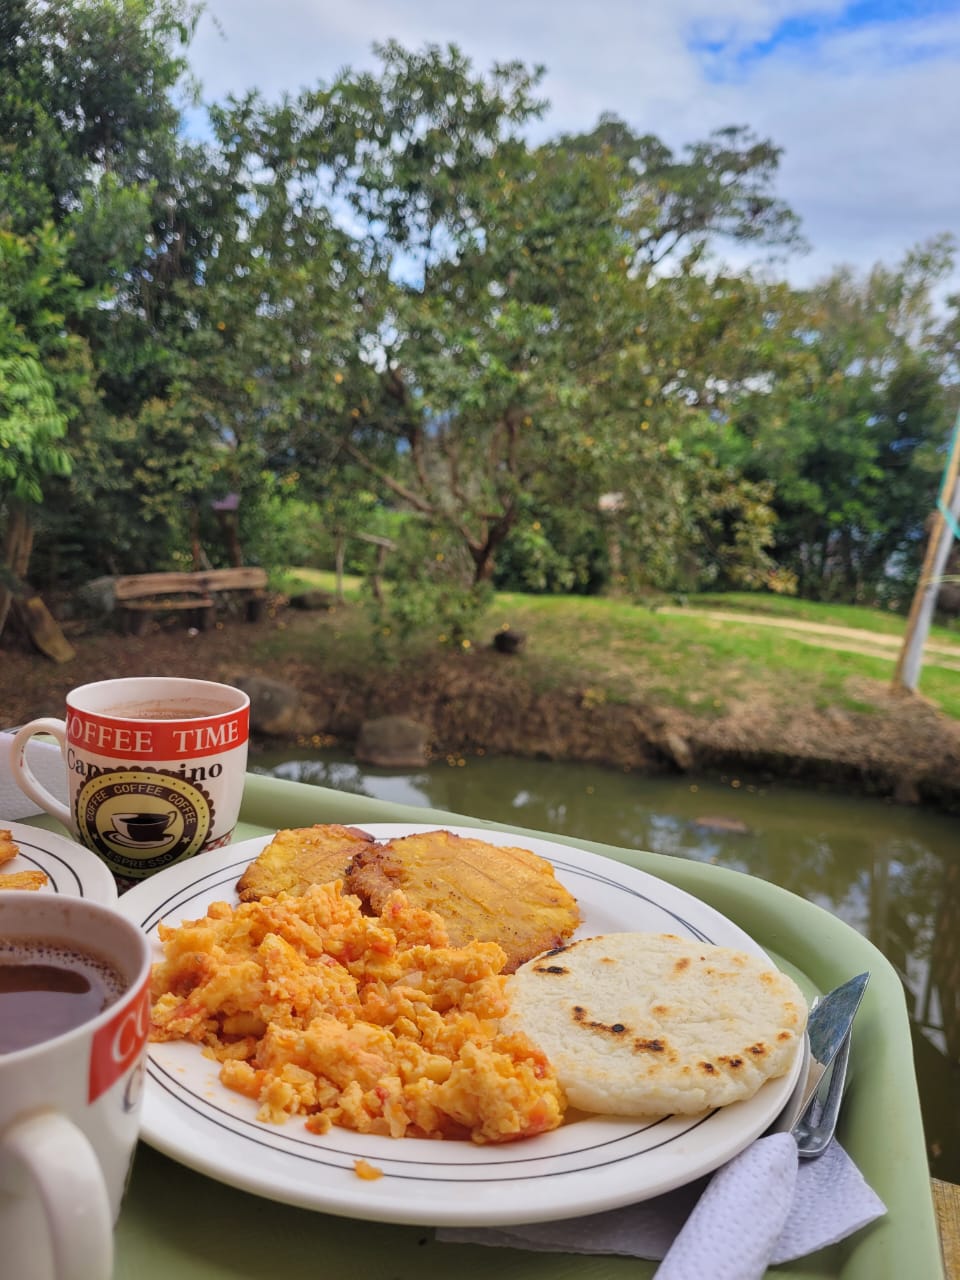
<point x="155" y="769"/>
<point x="74" y="1018"/>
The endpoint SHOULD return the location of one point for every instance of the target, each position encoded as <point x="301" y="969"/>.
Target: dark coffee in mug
<point x="48" y="988"/>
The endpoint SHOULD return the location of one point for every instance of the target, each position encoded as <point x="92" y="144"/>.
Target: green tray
<point x="177" y="1223"/>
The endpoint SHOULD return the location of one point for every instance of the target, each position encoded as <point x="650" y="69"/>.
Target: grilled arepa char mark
<point x="299" y="857"/>
<point x="484" y="892"/>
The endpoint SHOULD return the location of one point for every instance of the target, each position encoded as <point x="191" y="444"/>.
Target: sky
<point x="863" y="97"/>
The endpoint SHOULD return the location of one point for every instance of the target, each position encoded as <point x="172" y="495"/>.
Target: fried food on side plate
<point x="297" y="858"/>
<point x="484" y="892"/>
<point x="23" y="880"/>
<point x="8" y="850"/>
<point x="17" y="879"/>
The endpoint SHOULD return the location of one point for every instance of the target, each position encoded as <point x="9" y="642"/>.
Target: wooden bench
<point x="248" y="582"/>
<point x="139" y="596"/>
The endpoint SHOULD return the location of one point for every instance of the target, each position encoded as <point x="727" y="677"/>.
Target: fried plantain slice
<point x="484" y="892"/>
<point x="299" y="857"/>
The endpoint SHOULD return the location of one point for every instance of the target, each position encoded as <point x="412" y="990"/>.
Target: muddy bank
<point x="907" y="752"/>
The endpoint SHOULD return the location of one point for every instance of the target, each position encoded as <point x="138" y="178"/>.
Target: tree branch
<point x="401" y="490"/>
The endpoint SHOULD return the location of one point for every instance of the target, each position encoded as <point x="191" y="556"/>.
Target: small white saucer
<point x="70" y="868"/>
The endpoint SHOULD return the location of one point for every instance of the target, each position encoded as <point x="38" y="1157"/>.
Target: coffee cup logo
<point x="142" y="820"/>
<point x="143" y="828"/>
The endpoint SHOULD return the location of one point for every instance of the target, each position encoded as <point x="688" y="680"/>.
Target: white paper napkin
<point x="47" y="764"/>
<point x="766" y="1206"/>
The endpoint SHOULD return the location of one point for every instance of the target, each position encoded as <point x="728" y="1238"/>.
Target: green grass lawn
<point x="692" y="661"/>
<point x="303" y="579"/>
<point x="618" y="650"/>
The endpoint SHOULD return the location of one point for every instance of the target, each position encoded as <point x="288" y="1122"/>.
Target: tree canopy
<point x="377" y="302"/>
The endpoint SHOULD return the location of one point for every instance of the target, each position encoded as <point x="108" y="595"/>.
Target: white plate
<point x="71" y="868"/>
<point x="585" y="1166"/>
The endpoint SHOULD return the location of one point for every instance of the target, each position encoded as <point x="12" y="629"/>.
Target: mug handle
<point x="69" y="1182"/>
<point x="24" y="776"/>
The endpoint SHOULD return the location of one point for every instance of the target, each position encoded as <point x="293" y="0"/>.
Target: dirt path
<point x="849" y="639"/>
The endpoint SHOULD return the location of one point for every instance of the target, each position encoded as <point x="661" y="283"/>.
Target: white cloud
<point x="866" y="116"/>
<point x="869" y="137"/>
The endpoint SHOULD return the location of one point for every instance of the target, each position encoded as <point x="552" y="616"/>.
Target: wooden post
<point x="383" y="545"/>
<point x="906" y="675"/>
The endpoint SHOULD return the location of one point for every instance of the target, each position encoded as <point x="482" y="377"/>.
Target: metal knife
<point x="829" y="1022"/>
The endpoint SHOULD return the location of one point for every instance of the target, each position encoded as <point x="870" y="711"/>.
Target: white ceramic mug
<point x="70" y="1105"/>
<point x="155" y="769"/>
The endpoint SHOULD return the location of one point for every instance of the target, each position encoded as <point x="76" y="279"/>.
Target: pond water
<point x="891" y="872"/>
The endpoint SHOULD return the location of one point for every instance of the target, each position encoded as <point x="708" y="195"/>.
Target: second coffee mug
<point x="155" y="769"/>
<point x="74" y="1020"/>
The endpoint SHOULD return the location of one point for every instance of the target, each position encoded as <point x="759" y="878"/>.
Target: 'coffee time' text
<point x="187" y="740"/>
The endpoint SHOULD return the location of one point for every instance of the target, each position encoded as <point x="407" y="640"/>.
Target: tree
<point x="30" y="433"/>
<point x="35" y="353"/>
<point x="853" y="450"/>
<point x="91" y="150"/>
<point x="404" y="151"/>
<point x="507" y="287"/>
<point x="721" y="187"/>
<point x="378" y="286"/>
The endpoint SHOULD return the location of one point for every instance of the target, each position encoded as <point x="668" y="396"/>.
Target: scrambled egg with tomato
<point x="371" y="1023"/>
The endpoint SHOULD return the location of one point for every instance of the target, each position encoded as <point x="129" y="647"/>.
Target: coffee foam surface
<point x="64" y="955"/>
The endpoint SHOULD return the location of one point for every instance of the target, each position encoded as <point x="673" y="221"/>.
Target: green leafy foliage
<point x="854" y="451"/>
<point x="375" y="308"/>
<point x="31" y="429"/>
<point x="428" y="593"/>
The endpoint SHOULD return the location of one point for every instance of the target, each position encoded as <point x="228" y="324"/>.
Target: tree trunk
<point x="484" y="553"/>
<point x="229" y="527"/>
<point x="17" y="546"/>
<point x="195" y="538"/>
<point x="483" y="565"/>
<point x="375" y="582"/>
<point x="17" y="598"/>
<point x="340" y="546"/>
